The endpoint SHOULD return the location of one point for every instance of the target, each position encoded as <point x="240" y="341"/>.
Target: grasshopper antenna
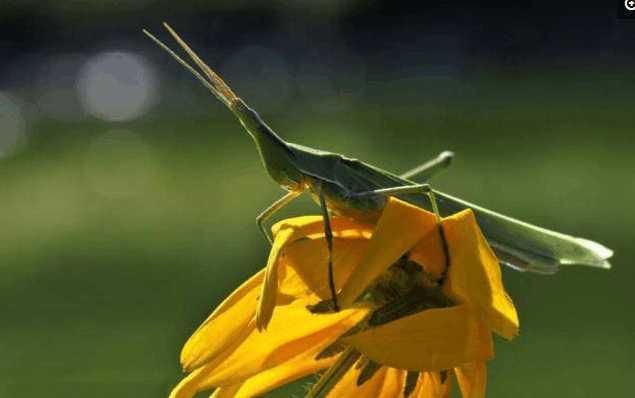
<point x="273" y="150"/>
<point x="216" y="80"/>
<point x="215" y="84"/>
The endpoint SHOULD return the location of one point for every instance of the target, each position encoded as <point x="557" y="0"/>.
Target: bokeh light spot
<point x="117" y="86"/>
<point x="12" y="125"/>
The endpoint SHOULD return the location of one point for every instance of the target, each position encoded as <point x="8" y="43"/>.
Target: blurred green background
<point x="128" y="195"/>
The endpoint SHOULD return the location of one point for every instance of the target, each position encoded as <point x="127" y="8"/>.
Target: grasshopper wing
<point x="520" y="245"/>
<point x="527" y="247"/>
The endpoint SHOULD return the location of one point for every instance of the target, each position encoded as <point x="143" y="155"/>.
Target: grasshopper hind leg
<point x="328" y="234"/>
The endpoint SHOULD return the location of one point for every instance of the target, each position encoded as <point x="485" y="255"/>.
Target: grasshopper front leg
<point x="430" y="168"/>
<point x="328" y="234"/>
<point x="271" y="210"/>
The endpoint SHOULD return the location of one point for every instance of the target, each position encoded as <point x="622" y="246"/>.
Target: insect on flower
<point x="410" y="333"/>
<point x="350" y="187"/>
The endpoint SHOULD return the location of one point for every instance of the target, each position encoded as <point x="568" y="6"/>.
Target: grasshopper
<point x="350" y="187"/>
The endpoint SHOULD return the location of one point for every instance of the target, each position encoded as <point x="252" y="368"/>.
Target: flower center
<point x="404" y="289"/>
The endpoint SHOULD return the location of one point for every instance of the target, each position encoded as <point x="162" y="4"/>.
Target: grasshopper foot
<point x="323" y="307"/>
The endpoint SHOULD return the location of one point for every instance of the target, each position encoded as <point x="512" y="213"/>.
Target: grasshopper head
<point x="276" y="156"/>
<point x="274" y="152"/>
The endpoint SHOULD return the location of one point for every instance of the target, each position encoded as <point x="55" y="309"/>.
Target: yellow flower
<point x="407" y="326"/>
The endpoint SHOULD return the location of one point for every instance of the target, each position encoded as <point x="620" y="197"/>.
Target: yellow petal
<point x="269" y="289"/>
<point x="385" y="382"/>
<point x="189" y="385"/>
<point x="393" y="384"/>
<point x="227" y="325"/>
<point x="307" y="225"/>
<point x="428" y="253"/>
<point x="430" y="386"/>
<point x="292" y="332"/>
<point x="472" y="379"/>
<point x="309" y="258"/>
<point x="301" y="222"/>
<point x="474" y="276"/>
<point x="430" y="340"/>
<point x="291" y="370"/>
<point x="400" y="226"/>
<point x="231" y="322"/>
<point x="226" y="392"/>
<point x="347" y="386"/>
<point x="286" y="232"/>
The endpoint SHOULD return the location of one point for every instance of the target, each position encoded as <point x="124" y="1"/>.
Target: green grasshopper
<point x="353" y="188"/>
